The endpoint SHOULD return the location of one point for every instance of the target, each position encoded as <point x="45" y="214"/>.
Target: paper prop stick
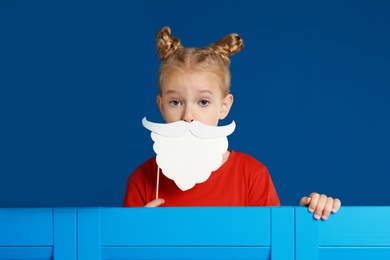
<point x="158" y="181"/>
<point x="187" y="153"/>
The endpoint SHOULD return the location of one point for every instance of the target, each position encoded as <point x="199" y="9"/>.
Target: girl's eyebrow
<point x="206" y="91"/>
<point x="172" y="91"/>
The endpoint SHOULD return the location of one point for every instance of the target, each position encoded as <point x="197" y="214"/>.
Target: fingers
<point x="327" y="208"/>
<point x="318" y="205"/>
<point x="155" y="203"/>
<point x="321" y="205"/>
<point x="336" y="205"/>
<point x="305" y="201"/>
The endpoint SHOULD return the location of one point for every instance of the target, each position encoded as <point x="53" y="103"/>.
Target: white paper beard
<point x="187" y="153"/>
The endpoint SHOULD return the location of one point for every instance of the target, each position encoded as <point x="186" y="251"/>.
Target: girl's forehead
<point x="195" y="80"/>
<point x="191" y="75"/>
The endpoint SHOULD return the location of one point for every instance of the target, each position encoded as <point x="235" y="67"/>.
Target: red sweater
<point x="240" y="181"/>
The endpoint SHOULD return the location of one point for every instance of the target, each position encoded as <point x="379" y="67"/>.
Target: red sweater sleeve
<point x="260" y="188"/>
<point x="141" y="185"/>
<point x="262" y="191"/>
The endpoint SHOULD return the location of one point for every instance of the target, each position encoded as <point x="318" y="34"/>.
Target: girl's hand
<point x="321" y="205"/>
<point x="155" y="203"/>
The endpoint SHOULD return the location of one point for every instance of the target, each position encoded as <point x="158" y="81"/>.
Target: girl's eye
<point x="204" y="103"/>
<point x="175" y="103"/>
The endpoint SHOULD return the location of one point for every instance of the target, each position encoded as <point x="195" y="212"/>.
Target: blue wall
<point x="76" y="77"/>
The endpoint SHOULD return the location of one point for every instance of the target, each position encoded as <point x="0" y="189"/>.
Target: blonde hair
<point x="213" y="58"/>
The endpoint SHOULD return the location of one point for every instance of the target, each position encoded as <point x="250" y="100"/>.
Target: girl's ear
<point x="159" y="104"/>
<point x="227" y="103"/>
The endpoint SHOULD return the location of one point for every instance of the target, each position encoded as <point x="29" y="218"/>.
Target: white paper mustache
<point x="197" y="128"/>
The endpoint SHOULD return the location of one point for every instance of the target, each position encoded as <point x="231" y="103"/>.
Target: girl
<point x="194" y="84"/>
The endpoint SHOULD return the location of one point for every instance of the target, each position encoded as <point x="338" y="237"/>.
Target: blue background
<point x="311" y="94"/>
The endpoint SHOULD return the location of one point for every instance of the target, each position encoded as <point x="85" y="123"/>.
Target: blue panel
<point x="306" y="235"/>
<point x="362" y="226"/>
<point x="26" y="227"/>
<point x="88" y="233"/>
<point x="227" y="226"/>
<point x="23" y="253"/>
<point x="186" y="253"/>
<point x="358" y="253"/>
<point x="194" y="233"/>
<point x="65" y="230"/>
<point x="283" y="233"/>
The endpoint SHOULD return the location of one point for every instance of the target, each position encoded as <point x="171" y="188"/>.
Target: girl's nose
<point x="187" y="115"/>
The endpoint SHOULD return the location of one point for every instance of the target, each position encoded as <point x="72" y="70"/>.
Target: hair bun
<point x="166" y="43"/>
<point x="228" y="45"/>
